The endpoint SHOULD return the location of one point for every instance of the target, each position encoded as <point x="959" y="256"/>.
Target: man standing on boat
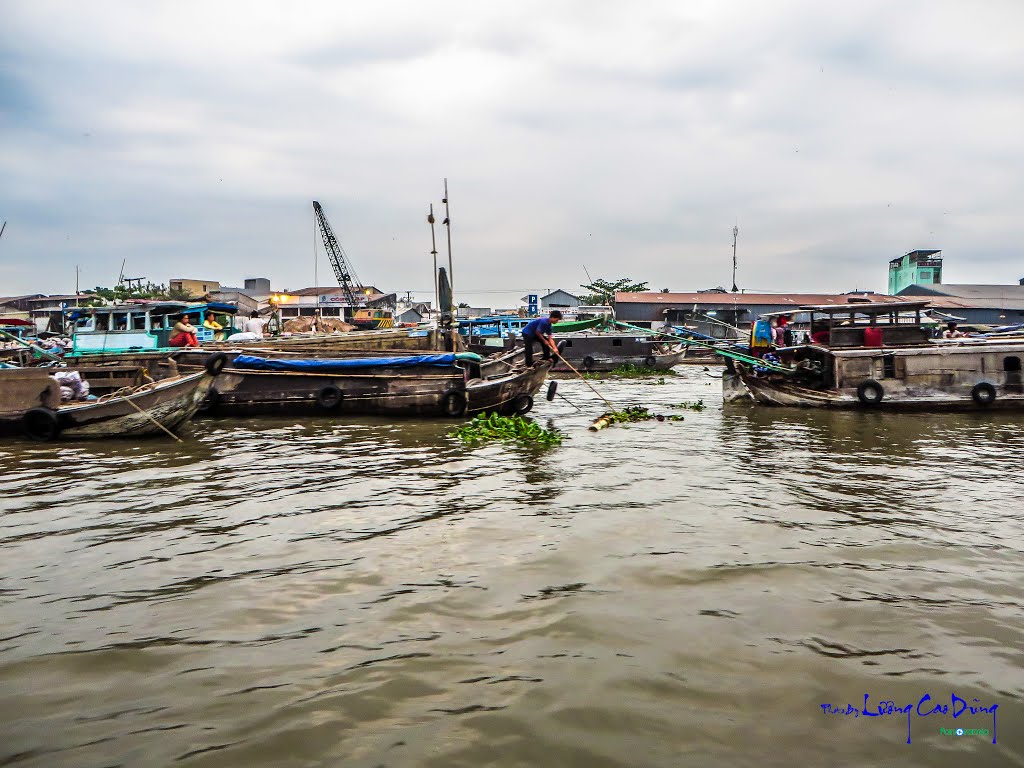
<point x="538" y="331"/>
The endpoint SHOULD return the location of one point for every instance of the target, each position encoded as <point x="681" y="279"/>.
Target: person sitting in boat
<point x="952" y="332"/>
<point x="538" y="331"/>
<point x="254" y="324"/>
<point x="820" y="333"/>
<point x="211" y="323"/>
<point x="184" y="333"/>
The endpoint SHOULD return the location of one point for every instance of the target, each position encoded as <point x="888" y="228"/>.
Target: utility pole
<point x="735" y="235"/>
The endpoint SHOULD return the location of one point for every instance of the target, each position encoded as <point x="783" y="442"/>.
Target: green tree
<point x="602" y="292"/>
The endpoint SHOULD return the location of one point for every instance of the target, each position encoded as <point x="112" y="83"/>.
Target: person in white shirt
<point x="254" y="325"/>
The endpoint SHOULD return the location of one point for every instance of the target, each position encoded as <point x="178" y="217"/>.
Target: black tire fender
<point x="552" y="390"/>
<point x="41" y="424"/>
<point x="650" y="361"/>
<point x="216" y="363"/>
<point x="588" y="362"/>
<point x="329" y="397"/>
<point x="870" y="392"/>
<point x="453" y="404"/>
<point x="561" y="345"/>
<point x="522" y="405"/>
<point x="209" y="402"/>
<point x="983" y="394"/>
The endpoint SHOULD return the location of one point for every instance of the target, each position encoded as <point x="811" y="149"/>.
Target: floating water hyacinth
<point x="630" y="414"/>
<point x="485" y="427"/>
<point x="697" y="406"/>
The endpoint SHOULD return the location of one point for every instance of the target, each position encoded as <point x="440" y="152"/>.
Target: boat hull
<point x="414" y="391"/>
<point x="766" y="391"/>
<point x="170" y="403"/>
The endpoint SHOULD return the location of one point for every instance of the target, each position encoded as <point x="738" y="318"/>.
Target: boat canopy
<point x="252" y="363"/>
<point x="860" y="308"/>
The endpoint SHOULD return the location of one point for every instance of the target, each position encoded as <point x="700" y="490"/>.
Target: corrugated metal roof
<point x="972" y="295"/>
<point x="747" y="299"/>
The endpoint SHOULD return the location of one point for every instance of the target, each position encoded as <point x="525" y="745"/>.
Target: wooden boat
<point x="31" y="405"/>
<point x="596" y="351"/>
<point x="903" y="368"/>
<point x="433" y="385"/>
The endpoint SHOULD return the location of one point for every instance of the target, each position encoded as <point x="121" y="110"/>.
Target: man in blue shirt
<point x="538" y="331"/>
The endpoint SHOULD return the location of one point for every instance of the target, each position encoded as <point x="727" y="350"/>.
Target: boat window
<point x="120" y="321"/>
<point x="889" y="366"/>
<point x="616" y="342"/>
<point x="1011" y="364"/>
<point x="102" y="322"/>
<point x="138" y="322"/>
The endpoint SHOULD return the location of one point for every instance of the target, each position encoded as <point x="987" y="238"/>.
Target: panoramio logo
<point x="963" y="732"/>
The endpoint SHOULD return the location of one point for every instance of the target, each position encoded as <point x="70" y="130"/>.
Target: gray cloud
<point x="191" y="140"/>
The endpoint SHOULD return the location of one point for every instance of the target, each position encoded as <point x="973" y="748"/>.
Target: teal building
<point x="915" y="268"/>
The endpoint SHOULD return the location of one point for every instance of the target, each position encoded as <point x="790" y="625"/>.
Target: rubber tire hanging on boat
<point x="983" y="394"/>
<point x="329" y="397"/>
<point x="650" y="361"/>
<point x="210" y="401"/>
<point x="588" y="362"/>
<point x="40" y="424"/>
<point x="561" y="345"/>
<point x="215" y="364"/>
<point x="870" y="386"/>
<point x="552" y="389"/>
<point x="522" y="405"/>
<point x="453" y="404"/>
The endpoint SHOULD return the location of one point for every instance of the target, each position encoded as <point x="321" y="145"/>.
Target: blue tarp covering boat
<point x="341" y="364"/>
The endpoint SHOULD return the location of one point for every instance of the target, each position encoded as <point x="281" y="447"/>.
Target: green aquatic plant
<point x="696" y="406"/>
<point x="484" y="427"/>
<point x="631" y="372"/>
<point x="630" y="414"/>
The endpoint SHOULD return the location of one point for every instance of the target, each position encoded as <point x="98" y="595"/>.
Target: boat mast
<point x="433" y="252"/>
<point x="735" y="235"/>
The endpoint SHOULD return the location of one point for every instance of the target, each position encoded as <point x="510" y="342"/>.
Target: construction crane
<point x="342" y="269"/>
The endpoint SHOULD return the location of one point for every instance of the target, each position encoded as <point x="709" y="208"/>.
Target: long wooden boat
<point x="431" y="385"/>
<point x="902" y="369"/>
<point x="148" y="410"/>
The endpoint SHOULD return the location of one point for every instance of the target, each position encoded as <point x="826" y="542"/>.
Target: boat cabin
<point x="373" y="319"/>
<point x="130" y="327"/>
<point x="874" y="324"/>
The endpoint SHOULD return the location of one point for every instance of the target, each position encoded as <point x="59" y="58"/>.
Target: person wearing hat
<point x="538" y="331"/>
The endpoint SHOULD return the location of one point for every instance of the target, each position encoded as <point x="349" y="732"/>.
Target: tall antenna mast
<point x="735" y="235"/>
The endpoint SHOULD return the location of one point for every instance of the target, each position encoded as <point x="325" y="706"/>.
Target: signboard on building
<point x="531" y="303"/>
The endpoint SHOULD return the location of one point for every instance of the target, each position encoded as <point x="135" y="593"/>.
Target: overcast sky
<point x="191" y="138"/>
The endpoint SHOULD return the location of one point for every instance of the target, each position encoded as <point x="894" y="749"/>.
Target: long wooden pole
<point x="127" y="399"/>
<point x="569" y="365"/>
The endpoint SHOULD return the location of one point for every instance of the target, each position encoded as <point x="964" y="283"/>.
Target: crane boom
<point x="342" y="269"/>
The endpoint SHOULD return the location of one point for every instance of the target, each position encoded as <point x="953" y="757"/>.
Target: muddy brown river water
<point x="284" y="592"/>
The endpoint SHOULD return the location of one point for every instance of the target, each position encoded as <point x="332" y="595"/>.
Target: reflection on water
<point x="284" y="592"/>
